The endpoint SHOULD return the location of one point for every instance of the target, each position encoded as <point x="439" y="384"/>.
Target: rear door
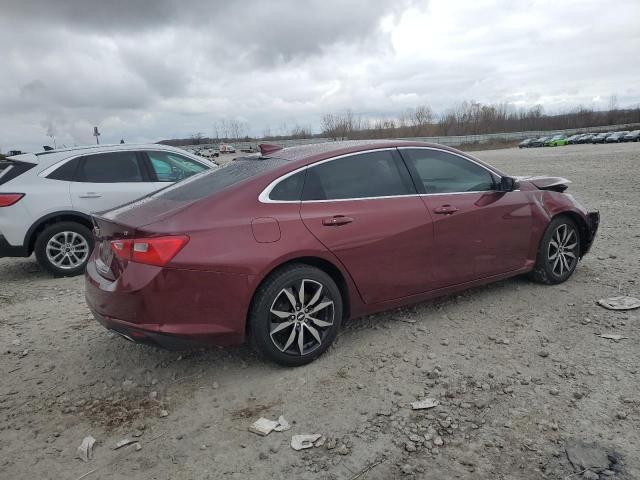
<point x="106" y="180"/>
<point x="478" y="230"/>
<point x="365" y="209"/>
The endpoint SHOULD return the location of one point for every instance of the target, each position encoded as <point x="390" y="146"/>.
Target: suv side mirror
<point x="507" y="184"/>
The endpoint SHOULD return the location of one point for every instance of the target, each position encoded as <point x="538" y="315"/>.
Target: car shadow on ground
<point x="201" y="359"/>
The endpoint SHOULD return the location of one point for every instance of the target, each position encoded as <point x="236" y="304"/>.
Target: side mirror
<point x="507" y="184"/>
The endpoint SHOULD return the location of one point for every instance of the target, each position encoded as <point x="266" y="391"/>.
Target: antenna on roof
<point x="267" y="148"/>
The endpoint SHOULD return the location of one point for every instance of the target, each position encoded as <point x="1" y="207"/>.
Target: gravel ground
<point x="518" y="369"/>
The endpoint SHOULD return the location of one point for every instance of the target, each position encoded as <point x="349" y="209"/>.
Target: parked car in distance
<point x="600" y="137"/>
<point x="556" y="141"/>
<point x="287" y="245"/>
<point x="633" y="136"/>
<point x="573" y="139"/>
<point x="227" y="148"/>
<point x="616" y="137"/>
<point x="526" y="143"/>
<point x="586" y="138"/>
<point x="46" y="198"/>
<point x="539" y="142"/>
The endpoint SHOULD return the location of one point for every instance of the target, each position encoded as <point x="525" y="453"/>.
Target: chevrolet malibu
<point x="282" y="247"/>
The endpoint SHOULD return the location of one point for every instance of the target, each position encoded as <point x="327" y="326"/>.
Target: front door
<point x="478" y="231"/>
<point x="364" y="208"/>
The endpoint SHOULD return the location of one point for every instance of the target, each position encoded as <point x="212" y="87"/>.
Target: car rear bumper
<point x="8" y="250"/>
<point x="171" y="308"/>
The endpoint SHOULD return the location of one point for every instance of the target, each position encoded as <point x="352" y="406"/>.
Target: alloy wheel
<point x="562" y="252"/>
<point x="67" y="250"/>
<point x="301" y="316"/>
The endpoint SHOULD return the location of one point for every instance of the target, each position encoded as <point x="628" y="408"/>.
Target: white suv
<point x="46" y="198"/>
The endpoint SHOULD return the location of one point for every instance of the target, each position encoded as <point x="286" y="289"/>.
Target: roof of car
<point x="110" y="147"/>
<point x="329" y="149"/>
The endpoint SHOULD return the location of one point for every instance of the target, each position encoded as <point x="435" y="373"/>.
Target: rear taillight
<point x="8" y="199"/>
<point x="151" y="251"/>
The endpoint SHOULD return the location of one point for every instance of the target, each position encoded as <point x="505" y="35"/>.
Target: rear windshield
<point x="213" y="181"/>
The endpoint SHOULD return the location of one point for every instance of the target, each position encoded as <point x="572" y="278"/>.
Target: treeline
<point x="466" y="118"/>
<point x="469" y="118"/>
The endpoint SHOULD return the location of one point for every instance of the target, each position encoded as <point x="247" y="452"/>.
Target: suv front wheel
<point x="64" y="248"/>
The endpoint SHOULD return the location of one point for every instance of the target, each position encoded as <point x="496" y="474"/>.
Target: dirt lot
<point x="518" y="369"/>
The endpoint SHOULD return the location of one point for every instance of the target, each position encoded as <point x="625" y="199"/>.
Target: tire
<point x="63" y="248"/>
<point x="555" y="265"/>
<point x="277" y="336"/>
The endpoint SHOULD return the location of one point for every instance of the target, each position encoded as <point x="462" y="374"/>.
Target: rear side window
<point x="443" y="172"/>
<point x="365" y="175"/>
<point x="10" y="169"/>
<point x="289" y="189"/>
<point x="171" y="167"/>
<point x="114" y="167"/>
<point x="213" y="181"/>
<point x="66" y="171"/>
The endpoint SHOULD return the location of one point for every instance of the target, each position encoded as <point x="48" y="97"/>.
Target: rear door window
<point x="66" y="172"/>
<point x="113" y="167"/>
<point x="358" y="176"/>
<point x="171" y="167"/>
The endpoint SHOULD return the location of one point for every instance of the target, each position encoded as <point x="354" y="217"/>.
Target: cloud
<point x="152" y="69"/>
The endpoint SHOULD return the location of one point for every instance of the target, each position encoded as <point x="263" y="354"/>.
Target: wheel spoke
<point x="570" y="247"/>
<point x="320" y="306"/>
<point x="320" y="323"/>
<point x="301" y="339"/>
<point x="282" y="326"/>
<point x="292" y="299"/>
<point x="552" y="257"/>
<point x="314" y="332"/>
<point x="569" y="236"/>
<point x="292" y="337"/>
<point x="280" y="314"/>
<point x="316" y="296"/>
<point x="301" y="294"/>
<point x="570" y="254"/>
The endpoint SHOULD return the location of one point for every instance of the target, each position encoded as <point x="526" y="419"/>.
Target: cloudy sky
<point x="152" y="69"/>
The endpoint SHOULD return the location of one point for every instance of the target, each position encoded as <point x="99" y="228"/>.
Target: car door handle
<point x="90" y="195"/>
<point x="336" y="221"/>
<point x="446" y="210"/>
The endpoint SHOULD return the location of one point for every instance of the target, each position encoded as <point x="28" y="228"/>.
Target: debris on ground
<point x="263" y="426"/>
<point x="424" y="404"/>
<point x="123" y="443"/>
<point x="612" y="336"/>
<point x="85" y="450"/>
<point x="620" y="303"/>
<point x="164" y="413"/>
<point x="283" y="425"/>
<point x="301" y="442"/>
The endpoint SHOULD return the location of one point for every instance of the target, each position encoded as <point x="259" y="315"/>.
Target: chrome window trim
<point x="264" y="195"/>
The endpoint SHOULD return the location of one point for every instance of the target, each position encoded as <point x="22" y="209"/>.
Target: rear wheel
<point x="63" y="248"/>
<point x="295" y="315"/>
<point x="558" y="252"/>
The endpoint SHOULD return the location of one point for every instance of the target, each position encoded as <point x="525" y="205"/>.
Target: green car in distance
<point x="556" y="141"/>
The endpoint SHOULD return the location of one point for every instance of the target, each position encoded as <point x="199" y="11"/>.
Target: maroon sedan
<point x="285" y="246"/>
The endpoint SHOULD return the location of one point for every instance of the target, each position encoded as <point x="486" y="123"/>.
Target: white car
<point x="46" y="198"/>
<point x="226" y="148"/>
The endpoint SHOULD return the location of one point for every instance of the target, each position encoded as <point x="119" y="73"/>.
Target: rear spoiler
<point x="556" y="184"/>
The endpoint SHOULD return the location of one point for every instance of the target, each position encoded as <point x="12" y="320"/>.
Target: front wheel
<point x="558" y="252"/>
<point x="63" y="248"/>
<point x="295" y="315"/>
